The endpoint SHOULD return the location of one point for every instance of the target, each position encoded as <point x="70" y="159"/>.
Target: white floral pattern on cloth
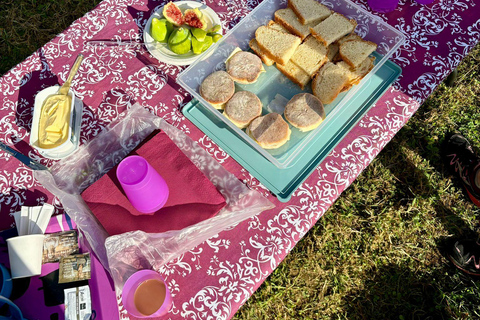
<point x="213" y="280"/>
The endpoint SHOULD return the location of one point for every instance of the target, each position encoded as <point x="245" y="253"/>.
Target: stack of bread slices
<point x="310" y="42"/>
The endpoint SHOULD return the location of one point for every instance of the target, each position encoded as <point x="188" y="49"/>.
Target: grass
<point x="377" y="253"/>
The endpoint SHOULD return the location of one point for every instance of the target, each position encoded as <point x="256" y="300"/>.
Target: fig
<point x="207" y="43"/>
<point x="217" y="37"/>
<point x="199" y="34"/>
<point x="215" y="28"/>
<point x="180" y="41"/>
<point x="197" y="45"/>
<point x="173" y="14"/>
<point x="194" y="18"/>
<point x="161" y="29"/>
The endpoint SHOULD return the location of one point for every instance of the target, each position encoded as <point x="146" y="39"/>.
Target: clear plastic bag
<point x="126" y="253"/>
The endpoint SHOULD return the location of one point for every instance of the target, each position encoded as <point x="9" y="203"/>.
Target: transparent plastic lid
<point x="272" y="87"/>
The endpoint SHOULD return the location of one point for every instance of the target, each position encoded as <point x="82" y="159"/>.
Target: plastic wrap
<point x="126" y="253"/>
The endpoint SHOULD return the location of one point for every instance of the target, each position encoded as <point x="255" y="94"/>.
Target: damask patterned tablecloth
<point x="214" y="279"/>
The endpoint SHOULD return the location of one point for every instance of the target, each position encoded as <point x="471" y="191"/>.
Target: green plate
<point x="283" y="182"/>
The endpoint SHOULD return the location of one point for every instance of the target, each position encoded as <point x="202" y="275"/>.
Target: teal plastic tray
<point x="283" y="182"/>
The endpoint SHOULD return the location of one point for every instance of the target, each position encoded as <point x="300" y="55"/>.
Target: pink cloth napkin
<point x="193" y="198"/>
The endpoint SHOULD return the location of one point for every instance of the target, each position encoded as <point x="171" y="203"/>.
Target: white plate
<point x="161" y="50"/>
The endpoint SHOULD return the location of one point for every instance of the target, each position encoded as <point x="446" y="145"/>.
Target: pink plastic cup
<point x="132" y="286"/>
<point x="145" y="188"/>
<point x="383" y="6"/>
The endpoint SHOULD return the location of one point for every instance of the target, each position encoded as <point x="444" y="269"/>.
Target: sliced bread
<point x="358" y="73"/>
<point x="329" y="82"/>
<point x="348" y="37"/>
<point x="310" y="55"/>
<point x="277" y="45"/>
<point x="294" y="73"/>
<point x="288" y="19"/>
<point x="254" y="46"/>
<point x="309" y="11"/>
<point x="333" y="28"/>
<point x="355" y="52"/>
<point x="272" y="24"/>
<point x="332" y="51"/>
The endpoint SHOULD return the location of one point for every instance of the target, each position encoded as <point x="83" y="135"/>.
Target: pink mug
<point x="145" y="295"/>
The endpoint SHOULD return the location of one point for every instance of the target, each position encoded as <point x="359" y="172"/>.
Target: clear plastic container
<point x="272" y="84"/>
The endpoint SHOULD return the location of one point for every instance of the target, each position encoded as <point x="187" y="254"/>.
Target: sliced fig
<point x="173" y="14"/>
<point x="194" y="18"/>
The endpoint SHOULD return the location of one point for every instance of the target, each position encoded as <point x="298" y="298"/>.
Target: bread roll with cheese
<point x="304" y="111"/>
<point x="242" y="108"/>
<point x="217" y="89"/>
<point x="244" y="67"/>
<point x="269" y="131"/>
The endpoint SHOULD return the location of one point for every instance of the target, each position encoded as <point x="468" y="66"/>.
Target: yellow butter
<point x="54" y="121"/>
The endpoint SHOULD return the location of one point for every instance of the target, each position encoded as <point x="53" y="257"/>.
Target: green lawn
<point x="377" y="253"/>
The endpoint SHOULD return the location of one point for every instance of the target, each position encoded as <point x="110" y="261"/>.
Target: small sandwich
<point x="217" y="89"/>
<point x="269" y="131"/>
<point x="304" y="111"/>
<point x="242" y="108"/>
<point x="244" y="67"/>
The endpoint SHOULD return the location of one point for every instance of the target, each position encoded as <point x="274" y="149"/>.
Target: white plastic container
<point x="273" y="83"/>
<point x="70" y="145"/>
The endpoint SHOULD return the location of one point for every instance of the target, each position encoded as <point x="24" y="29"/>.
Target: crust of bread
<point x="321" y="39"/>
<point x="283" y="69"/>
<point x="299" y="14"/>
<point x="294" y="8"/>
<point x="289" y="27"/>
<point x="273" y="57"/>
<point x="346" y="59"/>
<point x="253" y="44"/>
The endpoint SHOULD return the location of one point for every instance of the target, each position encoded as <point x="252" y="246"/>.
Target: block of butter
<point x="54" y="121"/>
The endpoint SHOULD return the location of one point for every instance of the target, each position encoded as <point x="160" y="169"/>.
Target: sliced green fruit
<point x="199" y="34"/>
<point x="215" y="28"/>
<point x="161" y="29"/>
<point x="207" y="43"/>
<point x="180" y="41"/>
<point x="178" y="35"/>
<point x="197" y="46"/>
<point x="217" y="37"/>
